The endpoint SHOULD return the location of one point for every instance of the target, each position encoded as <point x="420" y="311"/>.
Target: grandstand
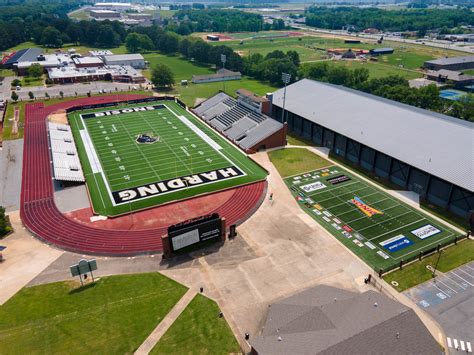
<point x="247" y="127"/>
<point x="66" y="163"/>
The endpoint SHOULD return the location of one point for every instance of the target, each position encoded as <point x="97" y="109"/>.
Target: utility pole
<point x="286" y="79"/>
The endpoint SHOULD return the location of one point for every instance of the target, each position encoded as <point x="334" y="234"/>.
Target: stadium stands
<point x="247" y="128"/>
<point x="42" y="218"/>
<point x="66" y="163"/>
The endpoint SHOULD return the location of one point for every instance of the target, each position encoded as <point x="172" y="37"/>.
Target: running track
<point x="41" y="216"/>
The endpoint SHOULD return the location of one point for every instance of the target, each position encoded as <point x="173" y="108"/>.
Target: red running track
<point x="41" y="216"/>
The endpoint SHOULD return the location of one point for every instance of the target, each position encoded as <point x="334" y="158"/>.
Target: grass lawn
<point x="378" y="70"/>
<point x="417" y="272"/>
<point x="113" y="316"/>
<point x="198" y="330"/>
<point x="292" y="161"/>
<point x="469" y="72"/>
<point x="11" y="105"/>
<point x="30" y="81"/>
<point x="6" y="72"/>
<point x="182" y="68"/>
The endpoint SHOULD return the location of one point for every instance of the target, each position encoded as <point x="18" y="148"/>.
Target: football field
<point x="375" y="225"/>
<point x="138" y="156"/>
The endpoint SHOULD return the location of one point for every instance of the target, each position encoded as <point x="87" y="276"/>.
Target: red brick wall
<point x="277" y="139"/>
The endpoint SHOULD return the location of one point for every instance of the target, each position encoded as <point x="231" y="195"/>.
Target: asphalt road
<point x="426" y="42"/>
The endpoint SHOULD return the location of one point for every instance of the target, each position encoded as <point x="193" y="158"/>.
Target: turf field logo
<point x="361" y="205"/>
<point x="121" y="111"/>
<point x="147" y="139"/>
<point x="176" y="184"/>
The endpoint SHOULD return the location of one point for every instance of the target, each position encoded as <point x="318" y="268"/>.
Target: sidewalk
<point x="25" y="258"/>
<point x="165" y="323"/>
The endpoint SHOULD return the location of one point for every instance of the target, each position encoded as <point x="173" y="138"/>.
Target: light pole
<point x="285" y="77"/>
<point x="223" y="60"/>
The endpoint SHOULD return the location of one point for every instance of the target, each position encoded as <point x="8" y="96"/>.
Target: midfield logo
<point x="369" y="211"/>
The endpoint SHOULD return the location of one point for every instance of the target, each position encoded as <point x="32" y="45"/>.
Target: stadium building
<point x="243" y="121"/>
<point x="415" y="149"/>
<point x="452" y="63"/>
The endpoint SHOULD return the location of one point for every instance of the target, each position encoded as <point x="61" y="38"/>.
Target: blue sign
<point x="396" y="243"/>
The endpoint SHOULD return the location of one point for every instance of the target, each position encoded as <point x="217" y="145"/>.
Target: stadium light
<point x="285" y="77"/>
<point x="223" y="60"/>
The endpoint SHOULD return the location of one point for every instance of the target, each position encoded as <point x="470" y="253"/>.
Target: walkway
<point x="165" y="323"/>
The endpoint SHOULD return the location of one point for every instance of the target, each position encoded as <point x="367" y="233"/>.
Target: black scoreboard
<point x="195" y="231"/>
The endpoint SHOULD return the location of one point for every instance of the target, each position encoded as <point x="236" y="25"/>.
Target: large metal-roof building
<point x="419" y="150"/>
<point x="451" y="63"/>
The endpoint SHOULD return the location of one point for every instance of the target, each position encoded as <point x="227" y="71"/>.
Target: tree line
<point x="214" y="20"/>
<point x="335" y="18"/>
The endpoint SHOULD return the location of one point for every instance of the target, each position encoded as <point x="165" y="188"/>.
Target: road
<point x="67" y="89"/>
<point x="447" y="45"/>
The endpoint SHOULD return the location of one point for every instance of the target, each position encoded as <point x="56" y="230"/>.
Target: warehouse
<point x="381" y="51"/>
<point x="453" y="63"/>
<point x="134" y="60"/>
<point x="104" y="14"/>
<point x="418" y="150"/>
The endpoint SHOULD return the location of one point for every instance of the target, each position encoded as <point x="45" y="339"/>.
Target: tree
<point x="31" y="95"/>
<point x="35" y="70"/>
<point x="46" y="95"/>
<point x="132" y="42"/>
<point x="16" y="82"/>
<point x="14" y="96"/>
<point x="4" y="227"/>
<point x="61" y="94"/>
<point x="162" y="76"/>
<point x="51" y="37"/>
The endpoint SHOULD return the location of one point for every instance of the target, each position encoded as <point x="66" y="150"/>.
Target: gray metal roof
<point x="438" y="144"/>
<point x="123" y="57"/>
<point x="329" y="320"/>
<point x="452" y="60"/>
<point x="237" y="122"/>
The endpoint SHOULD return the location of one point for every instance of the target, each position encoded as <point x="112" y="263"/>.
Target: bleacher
<point x="243" y="126"/>
<point x="66" y="163"/>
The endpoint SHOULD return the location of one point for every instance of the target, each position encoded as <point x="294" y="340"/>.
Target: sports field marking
<point x="183" y="148"/>
<point x="360" y="226"/>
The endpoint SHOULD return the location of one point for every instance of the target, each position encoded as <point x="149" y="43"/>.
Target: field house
<point x="411" y="148"/>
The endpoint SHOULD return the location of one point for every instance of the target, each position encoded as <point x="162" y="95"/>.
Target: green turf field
<point x="156" y="154"/>
<point x="379" y="228"/>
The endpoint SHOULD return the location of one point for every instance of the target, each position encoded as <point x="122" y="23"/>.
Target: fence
<point x="423" y="254"/>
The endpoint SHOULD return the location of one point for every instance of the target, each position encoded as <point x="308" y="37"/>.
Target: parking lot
<point x="449" y="299"/>
<point x="67" y="89"/>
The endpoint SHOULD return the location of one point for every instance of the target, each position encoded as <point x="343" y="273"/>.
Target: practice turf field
<point x="378" y="227"/>
<point x="140" y="156"/>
